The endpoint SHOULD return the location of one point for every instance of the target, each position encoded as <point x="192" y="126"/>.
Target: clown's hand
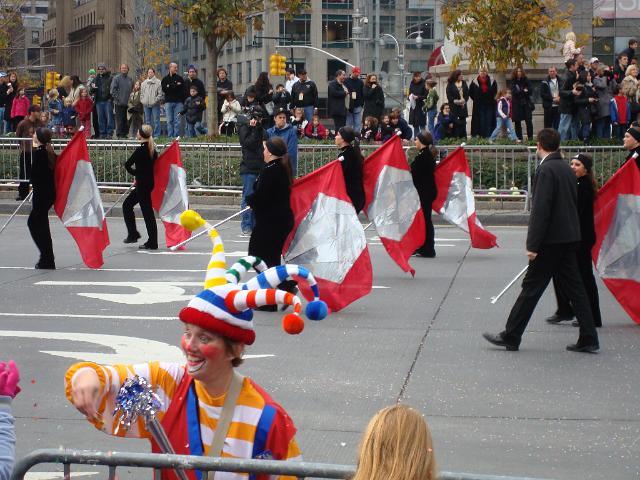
<point x="9" y="378"/>
<point x="85" y="389"/>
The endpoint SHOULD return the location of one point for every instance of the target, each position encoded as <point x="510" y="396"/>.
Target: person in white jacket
<point x="151" y="97"/>
<point x="230" y="110"/>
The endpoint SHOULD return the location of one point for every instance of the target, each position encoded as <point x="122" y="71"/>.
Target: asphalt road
<point x="540" y="412"/>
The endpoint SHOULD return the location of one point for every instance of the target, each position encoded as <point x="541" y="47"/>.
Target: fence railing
<point x="216" y="165"/>
<point x="188" y="462"/>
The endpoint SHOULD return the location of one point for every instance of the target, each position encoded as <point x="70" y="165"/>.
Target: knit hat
<point x="102" y="65"/>
<point x="225" y="305"/>
<point x="585" y="159"/>
<point x="92" y="71"/>
<point x="634" y="132"/>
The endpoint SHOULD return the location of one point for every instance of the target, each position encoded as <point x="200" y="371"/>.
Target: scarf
<point x="484" y="83"/>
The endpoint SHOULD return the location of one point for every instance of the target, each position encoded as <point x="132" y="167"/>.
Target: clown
<point x="207" y="392"/>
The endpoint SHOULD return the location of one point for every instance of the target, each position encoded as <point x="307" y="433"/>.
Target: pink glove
<point x="9" y="378"/>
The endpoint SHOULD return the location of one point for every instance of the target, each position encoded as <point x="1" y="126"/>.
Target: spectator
<point x="84" y="106"/>
<point x="630" y="51"/>
<point x="74" y="90"/>
<point x="3" y="101"/>
<point x="369" y="129"/>
<point x="249" y="99"/>
<point x="550" y="93"/>
<point x="44" y="118"/>
<point x="338" y="99"/>
<point x="400" y="125"/>
<point x="503" y="116"/>
<point x="230" y="110"/>
<point x="603" y="84"/>
<point x="304" y="94"/>
<point x="373" y="97"/>
<point x="522" y="105"/>
<point x="64" y="87"/>
<point x="620" y="113"/>
<point x="69" y="117"/>
<point x="569" y="49"/>
<point x="396" y="445"/>
<point x="417" y="95"/>
<point x="174" y="96"/>
<point x="445" y="124"/>
<point x="193" y="80"/>
<point x="223" y="85"/>
<point x="386" y="130"/>
<point x="586" y="105"/>
<point x="252" y="137"/>
<point x="135" y="110"/>
<point x="594" y="63"/>
<point x="12" y="86"/>
<point x="193" y="108"/>
<point x="54" y="105"/>
<point x="299" y="122"/>
<point x="19" y="107"/>
<point x="90" y="84"/>
<point x="264" y="95"/>
<point x="121" y="87"/>
<point x="289" y="134"/>
<point x="151" y="97"/>
<point x="568" y="127"/>
<point x="583" y="65"/>
<point x="315" y="129"/>
<point x="25" y="129"/>
<point x="282" y="98"/>
<point x="457" y="97"/>
<point x="351" y="161"/>
<point x="483" y="91"/>
<point x="355" y="86"/>
<point x="620" y="70"/>
<point x="291" y="80"/>
<point x="431" y="104"/>
<point x="9" y="378"/>
<point x="629" y="85"/>
<point x="102" y="96"/>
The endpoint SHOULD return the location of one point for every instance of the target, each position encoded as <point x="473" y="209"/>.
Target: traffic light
<point x="48" y="82"/>
<point x="36" y="100"/>
<point x="56" y="79"/>
<point x="277" y="64"/>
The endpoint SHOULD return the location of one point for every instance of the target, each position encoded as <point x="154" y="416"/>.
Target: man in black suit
<point x="337" y="100"/>
<point x="552" y="241"/>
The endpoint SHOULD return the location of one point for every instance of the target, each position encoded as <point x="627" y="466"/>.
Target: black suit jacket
<point x="336" y="99"/>
<point x="554" y="210"/>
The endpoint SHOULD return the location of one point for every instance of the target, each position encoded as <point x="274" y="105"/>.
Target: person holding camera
<point x="252" y="135"/>
<point x="586" y="104"/>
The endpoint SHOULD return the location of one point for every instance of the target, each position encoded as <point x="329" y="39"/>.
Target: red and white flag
<point x="616" y="253"/>
<point x="392" y="202"/>
<point x="170" y="196"/>
<point x="78" y="202"/>
<point x="455" y="198"/>
<point x="328" y="239"/>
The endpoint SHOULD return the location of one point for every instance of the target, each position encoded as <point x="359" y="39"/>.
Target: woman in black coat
<point x="140" y="164"/>
<point x="423" y="174"/>
<point x="521" y="103"/>
<point x="373" y="97"/>
<point x="483" y="92"/>
<point x="270" y="204"/>
<point x="417" y="115"/>
<point x="43" y="164"/>
<point x="582" y="165"/>
<point x="457" y="97"/>
<point x="352" y="162"/>
<point x="12" y="88"/>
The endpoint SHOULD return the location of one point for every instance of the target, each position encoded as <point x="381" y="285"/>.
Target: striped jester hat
<point x="225" y="305"/>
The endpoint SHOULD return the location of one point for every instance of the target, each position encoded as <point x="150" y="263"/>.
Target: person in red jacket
<point x="315" y="129"/>
<point x="84" y="106"/>
<point x="19" y="108"/>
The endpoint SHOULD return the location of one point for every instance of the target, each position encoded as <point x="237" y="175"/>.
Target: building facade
<point x="26" y="54"/>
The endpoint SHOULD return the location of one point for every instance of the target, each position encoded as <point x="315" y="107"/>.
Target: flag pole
<point x="208" y="227"/>
<point x="118" y="199"/>
<point x="26" y="199"/>
<point x="497" y="297"/>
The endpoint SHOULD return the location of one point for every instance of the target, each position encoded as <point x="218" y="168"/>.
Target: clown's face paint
<point x="205" y="351"/>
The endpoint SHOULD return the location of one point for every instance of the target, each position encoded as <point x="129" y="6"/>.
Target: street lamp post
<point x="400" y="53"/>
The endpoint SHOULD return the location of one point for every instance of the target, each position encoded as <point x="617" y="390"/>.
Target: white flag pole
<point x="118" y="199"/>
<point x="26" y="199"/>
<point x="208" y="227"/>
<point x="497" y="297"/>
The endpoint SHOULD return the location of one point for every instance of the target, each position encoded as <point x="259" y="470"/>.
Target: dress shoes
<point x="146" y="246"/>
<point x="133" y="239"/>
<point x="575" y="323"/>
<point x="576" y="347"/>
<point x="499" y="341"/>
<point x="45" y="266"/>
<point x="556" y="319"/>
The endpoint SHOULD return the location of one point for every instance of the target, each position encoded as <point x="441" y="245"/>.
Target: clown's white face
<point x="207" y="355"/>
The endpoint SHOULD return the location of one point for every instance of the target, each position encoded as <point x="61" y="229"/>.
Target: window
<point x="387" y="25"/>
<point x="422" y="24"/>
<point x="196" y="44"/>
<point x="185" y="38"/>
<point x="176" y="37"/>
<point x="337" y="3"/>
<point x="239" y="67"/>
<point x="35" y="36"/>
<point x="418" y="65"/>
<point x="238" y="44"/>
<point x="603" y="48"/>
<point x="336" y="31"/>
<point x="42" y="10"/>
<point x="249" y="72"/>
<point x="295" y="31"/>
<point x="25" y="9"/>
<point x="387" y="3"/>
<point x="33" y="55"/>
<point x="229" y="71"/>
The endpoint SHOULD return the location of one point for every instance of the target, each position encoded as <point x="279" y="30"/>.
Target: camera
<point x="250" y="113"/>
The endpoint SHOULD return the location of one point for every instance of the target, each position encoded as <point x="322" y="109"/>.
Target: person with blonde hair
<point x="397" y="445"/>
<point x="569" y="49"/>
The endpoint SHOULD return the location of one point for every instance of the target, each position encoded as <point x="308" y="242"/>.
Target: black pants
<point x="552" y="261"/>
<point x="95" y="122"/>
<point x="460" y="128"/>
<point x="25" y="173"/>
<point x="428" y="248"/>
<point x="122" y="127"/>
<point x="38" y="223"/>
<point x="552" y="118"/>
<point x="586" y="273"/>
<point x="529" y="123"/>
<point x="339" y="121"/>
<point x="143" y="197"/>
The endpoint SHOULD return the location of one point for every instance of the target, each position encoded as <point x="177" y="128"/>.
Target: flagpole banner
<point x="455" y="200"/>
<point x="616" y="253"/>
<point x="328" y="239"/>
<point x="78" y="203"/>
<point x="392" y="202"/>
<point x="170" y="196"/>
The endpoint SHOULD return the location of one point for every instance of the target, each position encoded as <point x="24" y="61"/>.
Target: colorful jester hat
<point x="225" y="305"/>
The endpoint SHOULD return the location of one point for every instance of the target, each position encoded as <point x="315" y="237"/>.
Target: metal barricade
<point x="189" y="462"/>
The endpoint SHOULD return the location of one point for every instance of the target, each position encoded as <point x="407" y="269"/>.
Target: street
<point x="540" y="412"/>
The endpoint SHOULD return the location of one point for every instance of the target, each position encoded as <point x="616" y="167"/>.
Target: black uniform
<point x="422" y="172"/>
<point x="44" y="196"/>
<point x="352" y="171"/>
<point x="273" y="215"/>
<point x="554" y="234"/>
<point x="632" y="153"/>
<point x="140" y="164"/>
<point x="586" y="197"/>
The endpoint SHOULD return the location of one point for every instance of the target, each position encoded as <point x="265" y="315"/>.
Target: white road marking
<point x="89" y="315"/>
<point x="56" y="475"/>
<point x="236" y="253"/>
<point x="174" y="270"/>
<point x="127" y="349"/>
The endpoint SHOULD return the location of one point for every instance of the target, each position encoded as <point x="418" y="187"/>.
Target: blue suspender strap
<point x="193" y="426"/>
<point x="262" y="433"/>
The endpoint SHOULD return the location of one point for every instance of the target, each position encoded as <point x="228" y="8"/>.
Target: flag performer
<point x="422" y="172"/>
